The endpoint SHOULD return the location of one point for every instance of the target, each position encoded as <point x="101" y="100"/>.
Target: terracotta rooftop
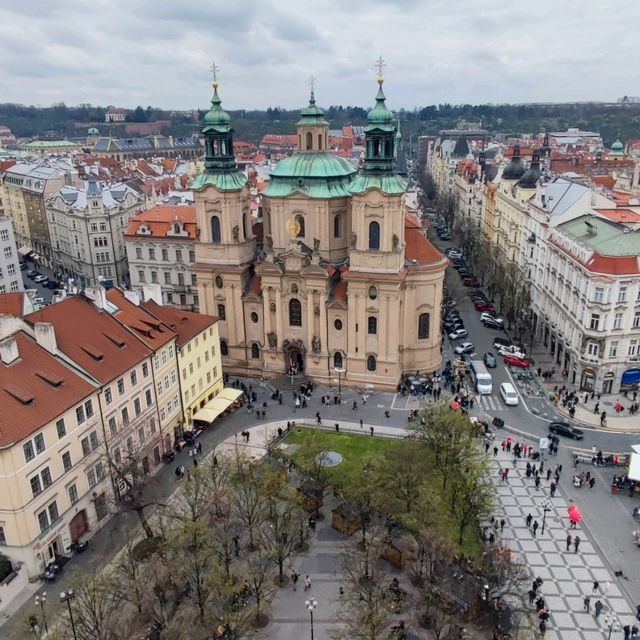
<point x="418" y="248"/>
<point x="605" y="181"/>
<point x="160" y="218"/>
<point x="12" y="304"/>
<point x="620" y="215"/>
<point x="92" y="338"/>
<point x="185" y="323"/>
<point x="34" y="390"/>
<point x="149" y="329"/>
<point x="614" y="265"/>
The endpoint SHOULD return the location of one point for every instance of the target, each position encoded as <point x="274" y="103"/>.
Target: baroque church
<point x="342" y="285"/>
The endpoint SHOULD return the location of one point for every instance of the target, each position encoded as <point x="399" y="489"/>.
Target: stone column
<point x="310" y="323"/>
<point x="361" y="318"/>
<point x="323" y="319"/>
<point x="352" y="336"/>
<point x="267" y="314"/>
<point x="383" y="328"/>
<point x="279" y="329"/>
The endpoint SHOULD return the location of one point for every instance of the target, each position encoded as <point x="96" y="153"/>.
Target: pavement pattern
<point x="568" y="576"/>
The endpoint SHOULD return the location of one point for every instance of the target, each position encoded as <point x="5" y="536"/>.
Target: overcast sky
<point x="158" y="52"/>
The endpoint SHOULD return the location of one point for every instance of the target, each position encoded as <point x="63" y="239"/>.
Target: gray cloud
<point x="159" y="51"/>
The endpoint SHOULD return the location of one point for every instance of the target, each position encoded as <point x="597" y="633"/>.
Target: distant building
<point x="46" y="147"/>
<point x="284" y="144"/>
<point x="160" y="247"/>
<point x="151" y="146"/>
<point x="87" y="227"/>
<point x="10" y="277"/>
<point x="115" y="115"/>
<point x="7" y="138"/>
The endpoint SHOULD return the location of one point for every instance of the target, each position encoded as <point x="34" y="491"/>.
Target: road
<point x="43" y="292"/>
<point x="607" y="517"/>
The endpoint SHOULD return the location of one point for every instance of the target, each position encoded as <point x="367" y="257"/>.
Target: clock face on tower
<point x="293" y="227"/>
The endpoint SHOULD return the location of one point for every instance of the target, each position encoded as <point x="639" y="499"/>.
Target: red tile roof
<point x="614" y="265"/>
<point x="92" y="337"/>
<point x="160" y="218"/>
<point x="12" y="304"/>
<point x="604" y="181"/>
<point x="620" y="215"/>
<point x="185" y="323"/>
<point x="149" y="329"/>
<point x="35" y="389"/>
<point x="418" y="248"/>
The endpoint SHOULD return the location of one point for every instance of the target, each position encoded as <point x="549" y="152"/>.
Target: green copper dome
<point x="216" y="116"/>
<point x="312" y="114"/>
<point x="617" y="145"/>
<point x="380" y="117"/>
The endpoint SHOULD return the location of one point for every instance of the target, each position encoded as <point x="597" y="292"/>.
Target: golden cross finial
<point x="312" y="82"/>
<point x="381" y="64"/>
<point x="214" y="68"/>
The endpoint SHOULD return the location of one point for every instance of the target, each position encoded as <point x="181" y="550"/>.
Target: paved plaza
<point x="568" y="576"/>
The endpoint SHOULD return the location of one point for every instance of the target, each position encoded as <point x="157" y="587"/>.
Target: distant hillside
<point x="609" y="119"/>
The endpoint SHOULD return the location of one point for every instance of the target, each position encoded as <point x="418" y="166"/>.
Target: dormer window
<point x="143" y="229"/>
<point x="176" y="227"/>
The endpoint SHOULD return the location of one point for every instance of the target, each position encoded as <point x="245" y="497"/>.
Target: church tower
<point x="226" y="246"/>
<point x="378" y="197"/>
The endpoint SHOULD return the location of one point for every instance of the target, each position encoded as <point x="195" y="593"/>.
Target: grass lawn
<point x="357" y="449"/>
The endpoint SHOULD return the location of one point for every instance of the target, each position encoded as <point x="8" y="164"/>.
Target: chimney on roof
<point x="152" y="291"/>
<point x="97" y="295"/>
<point x="132" y="296"/>
<point x="170" y="141"/>
<point x="46" y="336"/>
<point x="9" y="325"/>
<point x="9" y="350"/>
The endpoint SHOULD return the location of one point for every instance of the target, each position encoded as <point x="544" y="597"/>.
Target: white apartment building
<point x="10" y="277"/>
<point x="160" y="246"/>
<point x="87" y="227"/>
<point x="586" y="311"/>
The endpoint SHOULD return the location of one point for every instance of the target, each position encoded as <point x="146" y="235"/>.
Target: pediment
<point x="266" y="268"/>
<point x="314" y="270"/>
<point x="293" y="261"/>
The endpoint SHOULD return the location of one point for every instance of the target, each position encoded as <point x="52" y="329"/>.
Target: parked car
<point x="516" y="361"/>
<point x="501" y="342"/>
<point x="490" y="316"/>
<point x="39" y="300"/>
<point x="484" y="306"/>
<point x="32" y="273"/>
<point x="470" y="281"/>
<point x="52" y="284"/>
<point x="40" y="278"/>
<point x="492" y="323"/>
<point x="23" y="266"/>
<point x="566" y="429"/>
<point x="490" y="360"/>
<point x="511" y="350"/>
<point x="458" y="333"/>
<point x="453" y="253"/>
<point x="464" y="347"/>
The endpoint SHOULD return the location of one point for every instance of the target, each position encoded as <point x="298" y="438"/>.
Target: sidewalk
<point x="568" y="576"/>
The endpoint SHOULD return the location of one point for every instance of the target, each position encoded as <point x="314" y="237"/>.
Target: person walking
<point x="552" y="489"/>
<point x="596" y="586"/>
<point x="495" y="451"/>
<point x="371" y="429"/>
<point x="532" y="596"/>
<point x="528" y="520"/>
<point x="535" y="527"/>
<point x="592" y="482"/>
<point x="568" y="542"/>
<point x="587" y="603"/>
<point x="537" y="482"/>
<point x="318" y="419"/>
<point x="307" y="583"/>
<point x="598" y="608"/>
<point x="548" y="473"/>
<point x="576" y="543"/>
<point x="502" y="523"/>
<point x="294" y="579"/>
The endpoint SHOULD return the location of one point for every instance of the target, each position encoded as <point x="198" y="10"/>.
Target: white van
<point x="509" y="394"/>
<point x="481" y="377"/>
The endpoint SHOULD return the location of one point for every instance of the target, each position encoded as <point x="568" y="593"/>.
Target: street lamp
<point x="311" y="604"/>
<point x="339" y="371"/>
<point x="612" y="622"/>
<point x="546" y="507"/>
<point x="68" y="596"/>
<point x="41" y="598"/>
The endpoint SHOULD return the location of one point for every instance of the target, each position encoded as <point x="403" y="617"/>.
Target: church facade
<point x="343" y="283"/>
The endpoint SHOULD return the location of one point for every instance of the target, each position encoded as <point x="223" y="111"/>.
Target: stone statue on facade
<point x="315" y="344"/>
<point x="268" y="244"/>
<point x="236" y="233"/>
<point x="316" y="245"/>
<point x="273" y="339"/>
<point x="396" y="242"/>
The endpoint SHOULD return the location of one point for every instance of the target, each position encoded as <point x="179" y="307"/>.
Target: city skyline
<point x="160" y="54"/>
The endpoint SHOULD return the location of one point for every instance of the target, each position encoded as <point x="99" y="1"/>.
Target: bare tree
<point x="247" y="505"/>
<point x="258" y="572"/>
<point x="433" y="555"/>
<point x="471" y="494"/>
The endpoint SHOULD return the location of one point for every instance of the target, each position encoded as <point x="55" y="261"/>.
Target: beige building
<point x="344" y="280"/>
<point x="49" y="458"/>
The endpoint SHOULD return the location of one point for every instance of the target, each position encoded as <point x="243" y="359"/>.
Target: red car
<point x="514" y="361"/>
<point x="484" y="306"/>
<point x="470" y="282"/>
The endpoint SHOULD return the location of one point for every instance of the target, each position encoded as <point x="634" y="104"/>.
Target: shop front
<point x="630" y="380"/>
<point x="588" y="379"/>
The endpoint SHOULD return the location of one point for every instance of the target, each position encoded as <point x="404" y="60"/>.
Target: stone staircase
<point x="284" y="383"/>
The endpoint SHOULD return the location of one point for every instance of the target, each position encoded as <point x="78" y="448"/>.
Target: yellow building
<point x="50" y="441"/>
<point x="199" y="363"/>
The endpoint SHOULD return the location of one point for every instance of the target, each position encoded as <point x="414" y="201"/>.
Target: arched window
<point x="337" y="360"/>
<point x="176" y="227"/>
<point x="216" y="235"/>
<point x="320" y="142"/>
<point x="300" y="221"/>
<point x="255" y="351"/>
<point x="222" y="313"/>
<point x="387" y="149"/>
<point x="337" y="226"/>
<point x="309" y="141"/>
<point x="423" y="326"/>
<point x="295" y="312"/>
<point x="371" y="363"/>
<point x="224" y="349"/>
<point x="376" y="148"/>
<point x="372" y="325"/>
<point x="373" y="293"/>
<point x="374" y="235"/>
<point x="245" y="231"/>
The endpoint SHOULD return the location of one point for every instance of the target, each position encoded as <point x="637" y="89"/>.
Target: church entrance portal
<point x="293" y="357"/>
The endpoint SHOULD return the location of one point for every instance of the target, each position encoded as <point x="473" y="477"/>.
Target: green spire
<point x="617" y="148"/>
<point x="217" y="117"/>
<point x="312" y="114"/>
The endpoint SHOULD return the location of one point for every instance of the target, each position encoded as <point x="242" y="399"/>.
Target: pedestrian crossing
<point x="490" y="403"/>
